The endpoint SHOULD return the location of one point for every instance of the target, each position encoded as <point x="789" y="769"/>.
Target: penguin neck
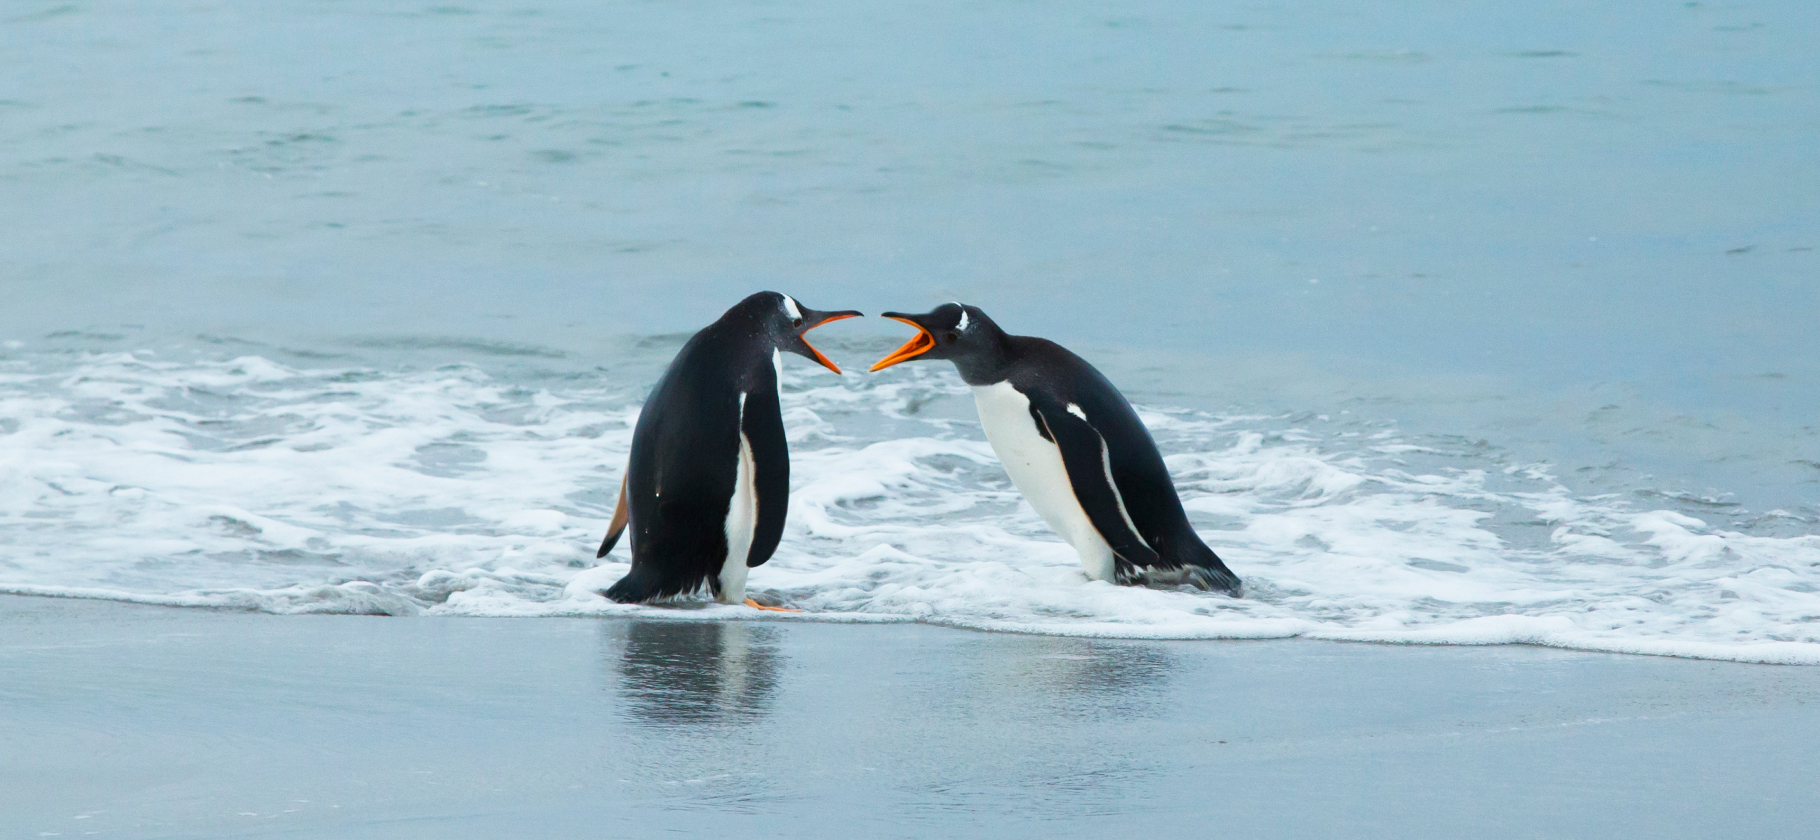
<point x="749" y="360"/>
<point x="764" y="368"/>
<point x="990" y="364"/>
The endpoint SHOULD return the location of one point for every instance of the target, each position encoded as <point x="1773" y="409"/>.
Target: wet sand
<point x="127" y="721"/>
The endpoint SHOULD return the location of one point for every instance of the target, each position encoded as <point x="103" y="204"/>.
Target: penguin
<point x="1074" y="447"/>
<point x="708" y="480"/>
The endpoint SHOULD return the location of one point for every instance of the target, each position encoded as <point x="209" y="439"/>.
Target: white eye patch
<point x="790" y="307"/>
<point x="962" y="326"/>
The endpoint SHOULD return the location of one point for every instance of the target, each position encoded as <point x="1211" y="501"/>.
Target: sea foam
<point x="250" y="484"/>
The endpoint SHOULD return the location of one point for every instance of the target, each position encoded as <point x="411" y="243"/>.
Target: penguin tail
<point x="1203" y="569"/>
<point x="635" y="588"/>
<point x="1216" y="578"/>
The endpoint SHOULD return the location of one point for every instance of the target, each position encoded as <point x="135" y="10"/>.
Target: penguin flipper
<point x="620" y="515"/>
<point x="1085" y="457"/>
<point x="762" y="422"/>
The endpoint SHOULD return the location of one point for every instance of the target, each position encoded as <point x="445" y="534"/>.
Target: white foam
<point x="249" y="484"/>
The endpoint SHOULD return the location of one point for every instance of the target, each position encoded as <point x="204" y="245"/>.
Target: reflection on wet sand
<point x="1113" y="669"/>
<point x="1015" y="691"/>
<point x="1072" y="678"/>
<point x="695" y="673"/>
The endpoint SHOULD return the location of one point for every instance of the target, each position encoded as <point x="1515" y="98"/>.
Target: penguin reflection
<point x="696" y="673"/>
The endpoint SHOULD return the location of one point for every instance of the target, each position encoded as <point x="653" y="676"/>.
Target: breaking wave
<point x="250" y="484"/>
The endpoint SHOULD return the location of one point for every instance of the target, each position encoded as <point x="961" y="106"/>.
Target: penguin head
<point x="783" y="321"/>
<point x="952" y="331"/>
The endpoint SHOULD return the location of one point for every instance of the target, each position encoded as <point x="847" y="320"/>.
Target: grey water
<point x="1582" y="235"/>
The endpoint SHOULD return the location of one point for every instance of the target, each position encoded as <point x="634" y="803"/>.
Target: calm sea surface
<point x="1563" y="243"/>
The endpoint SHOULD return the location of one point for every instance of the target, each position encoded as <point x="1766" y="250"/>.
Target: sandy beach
<point x="144" y="722"/>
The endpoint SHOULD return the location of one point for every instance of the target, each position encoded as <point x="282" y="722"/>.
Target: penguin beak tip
<point x="921" y="343"/>
<point x="826" y="317"/>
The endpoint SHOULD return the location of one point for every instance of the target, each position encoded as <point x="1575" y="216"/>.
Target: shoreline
<point x="1491" y="631"/>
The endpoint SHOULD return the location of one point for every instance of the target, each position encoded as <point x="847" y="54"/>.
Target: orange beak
<point x="818" y="354"/>
<point x="922" y="343"/>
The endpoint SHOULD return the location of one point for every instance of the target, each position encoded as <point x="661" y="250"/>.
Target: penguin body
<point x="708" y="482"/>
<point x="1074" y="447"/>
<point x="1036" y="466"/>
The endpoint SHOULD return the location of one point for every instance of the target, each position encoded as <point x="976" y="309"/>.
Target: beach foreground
<point x="131" y="721"/>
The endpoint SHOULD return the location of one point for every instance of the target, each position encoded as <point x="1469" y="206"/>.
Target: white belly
<point x="1036" y="467"/>
<point x="742" y="522"/>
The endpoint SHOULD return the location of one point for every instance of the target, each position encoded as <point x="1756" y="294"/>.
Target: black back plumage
<point x="679" y="480"/>
<point x="1053" y="379"/>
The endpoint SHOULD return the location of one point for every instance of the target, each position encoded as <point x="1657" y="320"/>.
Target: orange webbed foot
<point x="758" y="606"/>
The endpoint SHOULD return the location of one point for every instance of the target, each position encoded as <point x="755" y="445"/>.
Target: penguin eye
<point x="951" y="337"/>
<point x="796" y="323"/>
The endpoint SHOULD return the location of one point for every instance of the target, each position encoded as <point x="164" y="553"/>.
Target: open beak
<point x="817" y="319"/>
<point x="922" y="343"/>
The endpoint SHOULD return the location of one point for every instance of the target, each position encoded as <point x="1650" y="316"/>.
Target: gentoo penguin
<point x="1074" y="448"/>
<point x="709" y="476"/>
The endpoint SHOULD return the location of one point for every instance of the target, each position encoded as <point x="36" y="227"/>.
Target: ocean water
<point x="1457" y="323"/>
